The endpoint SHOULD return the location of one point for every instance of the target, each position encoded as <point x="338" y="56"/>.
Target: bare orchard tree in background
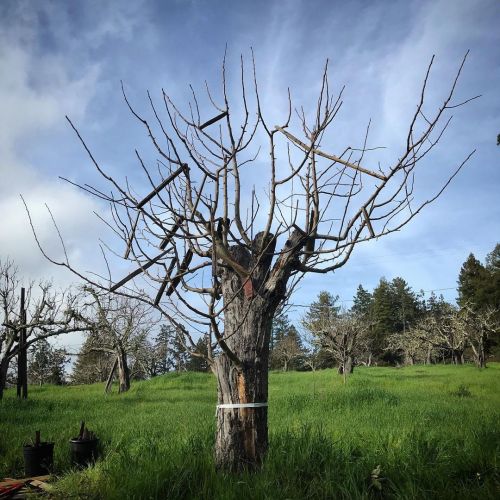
<point x="479" y="326"/>
<point x="219" y="257"/>
<point x="117" y="326"/>
<point x="341" y="337"/>
<point x="47" y="313"/>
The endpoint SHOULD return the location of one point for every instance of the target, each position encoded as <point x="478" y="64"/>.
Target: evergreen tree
<point x="384" y="318"/>
<point x="406" y="306"/>
<point x="473" y="284"/>
<point x="163" y="349"/>
<point x="91" y="366"/>
<point x="46" y="364"/>
<point x="281" y="325"/>
<point x="178" y="351"/>
<point x="321" y="312"/>
<point x="196" y="363"/>
<point x="493" y="260"/>
<point x="362" y="303"/>
<point x="493" y="280"/>
<point x="324" y="308"/>
<point x="362" y="309"/>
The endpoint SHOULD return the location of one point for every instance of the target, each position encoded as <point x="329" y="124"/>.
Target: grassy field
<point x="432" y="432"/>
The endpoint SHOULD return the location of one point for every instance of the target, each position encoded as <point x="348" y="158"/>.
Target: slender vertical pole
<point x="24" y="348"/>
<point x="22" y="368"/>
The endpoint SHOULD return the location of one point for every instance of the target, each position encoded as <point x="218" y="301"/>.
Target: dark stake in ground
<point x="240" y="209"/>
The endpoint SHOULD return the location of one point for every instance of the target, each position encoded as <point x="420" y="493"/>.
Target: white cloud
<point x="35" y="94"/>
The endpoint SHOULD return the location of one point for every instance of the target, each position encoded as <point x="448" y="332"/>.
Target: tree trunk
<point x="123" y="372"/>
<point x="109" y="381"/>
<point x="482" y="356"/>
<point x="4" y="366"/>
<point x="349" y="365"/>
<point x="241" y="438"/>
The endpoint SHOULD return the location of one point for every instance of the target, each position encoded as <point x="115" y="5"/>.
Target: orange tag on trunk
<point x="248" y="289"/>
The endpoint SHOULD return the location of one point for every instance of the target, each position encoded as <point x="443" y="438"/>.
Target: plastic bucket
<point x="38" y="460"/>
<point x="83" y="452"/>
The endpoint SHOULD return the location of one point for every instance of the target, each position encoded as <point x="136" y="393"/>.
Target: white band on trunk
<point x="241" y="405"/>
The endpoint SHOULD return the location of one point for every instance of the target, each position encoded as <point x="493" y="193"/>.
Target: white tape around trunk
<point x="242" y="405"/>
<point x="230" y="406"/>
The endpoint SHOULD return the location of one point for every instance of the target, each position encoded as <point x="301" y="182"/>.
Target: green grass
<point x="434" y="432"/>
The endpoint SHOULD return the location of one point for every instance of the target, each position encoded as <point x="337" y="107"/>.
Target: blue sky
<point x="59" y="57"/>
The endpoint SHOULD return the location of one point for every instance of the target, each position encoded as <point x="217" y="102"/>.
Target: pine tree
<point x="281" y="325"/>
<point x="91" y="366"/>
<point x="46" y="364"/>
<point x="473" y="283"/>
<point x="196" y="363"/>
<point x="406" y="305"/>
<point x="322" y="309"/>
<point x="362" y="303"/>
<point x="384" y="322"/>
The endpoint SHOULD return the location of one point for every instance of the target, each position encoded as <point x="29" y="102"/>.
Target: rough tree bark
<point x="109" y="381"/>
<point x="123" y="372"/>
<point x="241" y="439"/>
<point x="4" y="366"/>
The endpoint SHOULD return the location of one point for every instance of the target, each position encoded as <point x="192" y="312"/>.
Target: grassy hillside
<point x="434" y="432"/>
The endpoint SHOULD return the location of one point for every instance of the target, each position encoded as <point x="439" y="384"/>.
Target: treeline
<point x="147" y="357"/>
<point x="393" y="324"/>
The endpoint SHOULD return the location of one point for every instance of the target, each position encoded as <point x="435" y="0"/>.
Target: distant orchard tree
<point x="288" y="351"/>
<point x="47" y="313"/>
<point x="477" y="327"/>
<point x="339" y="335"/>
<point x="117" y="326"/>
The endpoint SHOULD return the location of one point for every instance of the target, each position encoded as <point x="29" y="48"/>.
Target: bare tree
<point x="220" y="258"/>
<point x="47" y="313"/>
<point x="476" y="327"/>
<point x="443" y="332"/>
<point x="415" y="344"/>
<point x="339" y="335"/>
<point x="288" y="349"/>
<point x="118" y="326"/>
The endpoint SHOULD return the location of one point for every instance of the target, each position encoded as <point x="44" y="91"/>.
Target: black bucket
<point x="83" y="452"/>
<point x="38" y="460"/>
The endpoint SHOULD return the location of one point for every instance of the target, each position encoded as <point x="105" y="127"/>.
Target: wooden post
<point x="22" y="359"/>
<point x="110" y="376"/>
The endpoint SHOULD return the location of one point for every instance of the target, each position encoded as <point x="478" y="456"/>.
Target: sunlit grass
<point x="434" y="432"/>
